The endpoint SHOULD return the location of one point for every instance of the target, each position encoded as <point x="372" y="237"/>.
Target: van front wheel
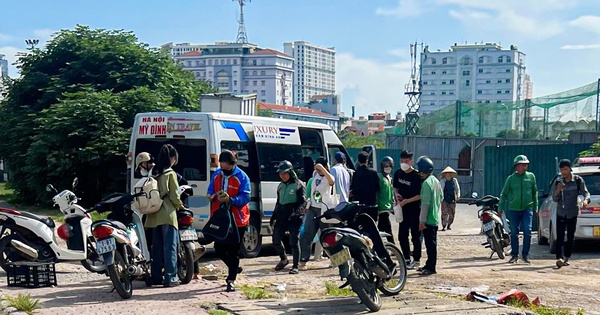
<point x="252" y="241"/>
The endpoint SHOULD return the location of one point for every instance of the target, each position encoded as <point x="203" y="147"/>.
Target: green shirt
<point x="431" y="196"/>
<point x="519" y="193"/>
<point x="167" y="214"/>
<point x="385" y="198"/>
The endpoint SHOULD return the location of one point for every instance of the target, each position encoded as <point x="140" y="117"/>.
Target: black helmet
<point x="425" y="165"/>
<point x="387" y="159"/>
<point x="285" y="166"/>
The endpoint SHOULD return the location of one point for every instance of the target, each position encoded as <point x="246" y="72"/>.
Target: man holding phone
<point x="566" y="193"/>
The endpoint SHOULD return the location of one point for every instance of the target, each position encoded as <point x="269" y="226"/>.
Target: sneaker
<point x="526" y="260"/>
<point x="239" y="270"/>
<point x="302" y="266"/>
<point x="294" y="271"/>
<point x="415" y="264"/>
<point x="281" y="265"/>
<point x="427" y="272"/>
<point x="443" y="229"/>
<point x="420" y="268"/>
<point x="196" y="276"/>
<point x="560" y="263"/>
<point x="513" y="260"/>
<point x="172" y="284"/>
<point x="230" y="287"/>
<point x="449" y="228"/>
<point x="566" y="263"/>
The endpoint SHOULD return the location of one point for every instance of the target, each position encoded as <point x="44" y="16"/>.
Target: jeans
<point x="430" y="235"/>
<point x="279" y="233"/>
<point x="230" y="255"/>
<point x="385" y="225"/>
<point x="165" y="239"/>
<point x="410" y="223"/>
<point x="310" y="230"/>
<point x="562" y="225"/>
<point x="520" y="221"/>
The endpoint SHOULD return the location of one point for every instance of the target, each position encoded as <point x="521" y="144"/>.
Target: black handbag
<point x="221" y="227"/>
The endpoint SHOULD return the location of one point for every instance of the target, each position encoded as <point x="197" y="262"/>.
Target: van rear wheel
<point x="251" y="243"/>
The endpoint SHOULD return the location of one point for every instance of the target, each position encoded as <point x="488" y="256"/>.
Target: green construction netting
<point x="551" y="116"/>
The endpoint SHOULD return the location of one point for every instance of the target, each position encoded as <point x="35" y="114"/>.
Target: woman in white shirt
<point x="322" y="182"/>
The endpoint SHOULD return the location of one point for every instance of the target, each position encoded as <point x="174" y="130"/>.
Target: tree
<point x="352" y="140"/>
<point x="509" y="133"/>
<point x="71" y="111"/>
<point x="265" y="113"/>
<point x="594" y="150"/>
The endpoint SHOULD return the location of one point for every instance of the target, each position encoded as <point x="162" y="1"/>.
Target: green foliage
<point x="594" y="150"/>
<point x="352" y="140"/>
<point x="509" y="133"/>
<point x="218" y="312"/>
<point x="532" y="133"/>
<point x="24" y="303"/>
<point x="334" y="290"/>
<point x="265" y="113"/>
<point x="541" y="309"/>
<point x="71" y="111"/>
<point x="255" y="293"/>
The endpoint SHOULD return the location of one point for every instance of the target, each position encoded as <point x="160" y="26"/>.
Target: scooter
<point x="492" y="224"/>
<point x="32" y="238"/>
<point x="361" y="254"/>
<point x="188" y="248"/>
<point x="121" y="240"/>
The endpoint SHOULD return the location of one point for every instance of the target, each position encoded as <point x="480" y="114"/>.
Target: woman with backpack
<point x="165" y="236"/>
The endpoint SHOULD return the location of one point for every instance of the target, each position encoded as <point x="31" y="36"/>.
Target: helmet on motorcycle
<point x="143" y="157"/>
<point x="388" y="160"/>
<point x="520" y="159"/>
<point x="425" y="165"/>
<point x="285" y="167"/>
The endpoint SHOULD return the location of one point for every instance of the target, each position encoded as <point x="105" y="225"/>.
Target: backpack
<point x="151" y="201"/>
<point x="221" y="228"/>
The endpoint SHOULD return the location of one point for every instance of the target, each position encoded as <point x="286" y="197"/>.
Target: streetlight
<point x="32" y="43"/>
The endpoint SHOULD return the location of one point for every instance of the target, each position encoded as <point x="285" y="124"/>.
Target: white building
<point x="482" y="73"/>
<point x="181" y="48"/>
<point x="314" y="70"/>
<point x="241" y="68"/>
<point x="3" y="73"/>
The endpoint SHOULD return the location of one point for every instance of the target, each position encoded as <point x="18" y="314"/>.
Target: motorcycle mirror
<point x="75" y="182"/>
<point x="183" y="188"/>
<point x="50" y="188"/>
<point x="474" y="195"/>
<point x="318" y="197"/>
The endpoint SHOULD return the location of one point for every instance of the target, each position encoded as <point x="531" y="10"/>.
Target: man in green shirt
<point x="431" y="202"/>
<point x="385" y="199"/>
<point x="519" y="198"/>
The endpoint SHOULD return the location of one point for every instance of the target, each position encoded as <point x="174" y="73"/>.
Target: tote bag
<point x="221" y="227"/>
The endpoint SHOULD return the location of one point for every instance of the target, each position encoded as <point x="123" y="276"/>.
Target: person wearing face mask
<point x="144" y="162"/>
<point x="385" y="199"/>
<point x="230" y="186"/>
<point x="365" y="185"/>
<point x="407" y="186"/>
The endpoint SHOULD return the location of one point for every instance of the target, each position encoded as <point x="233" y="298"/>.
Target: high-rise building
<point x="482" y="73"/>
<point x="527" y="88"/>
<point x="314" y="70"/>
<point x="3" y="66"/>
<point x="239" y="68"/>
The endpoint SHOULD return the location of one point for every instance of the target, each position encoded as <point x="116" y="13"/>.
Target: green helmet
<point x="285" y="166"/>
<point x="520" y="159"/>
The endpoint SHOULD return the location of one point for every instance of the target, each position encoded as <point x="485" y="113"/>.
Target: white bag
<point x="398" y="216"/>
<point x="150" y="201"/>
<point x="331" y="201"/>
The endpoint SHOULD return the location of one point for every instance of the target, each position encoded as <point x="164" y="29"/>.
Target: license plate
<point x="596" y="231"/>
<point x="105" y="246"/>
<point x="188" y="235"/>
<point x="488" y="226"/>
<point x="340" y="257"/>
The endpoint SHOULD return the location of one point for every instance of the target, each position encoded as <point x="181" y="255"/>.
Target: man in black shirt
<point x="365" y="185"/>
<point x="407" y="185"/>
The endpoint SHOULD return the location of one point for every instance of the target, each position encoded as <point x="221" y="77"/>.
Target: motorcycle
<point x="121" y="240"/>
<point x="492" y="224"/>
<point x="362" y="256"/>
<point x="187" y="248"/>
<point x="32" y="238"/>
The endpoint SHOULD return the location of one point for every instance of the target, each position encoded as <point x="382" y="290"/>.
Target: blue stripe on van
<point x="204" y="216"/>
<point x="237" y="127"/>
<point x="268" y="213"/>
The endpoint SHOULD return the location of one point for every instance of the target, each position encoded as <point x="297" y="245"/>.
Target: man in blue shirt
<point x="341" y="176"/>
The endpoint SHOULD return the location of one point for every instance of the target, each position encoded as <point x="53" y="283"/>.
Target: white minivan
<point x="260" y="143"/>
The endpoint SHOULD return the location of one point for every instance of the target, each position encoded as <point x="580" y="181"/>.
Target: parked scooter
<point x="31" y="237"/>
<point x="121" y="240"/>
<point x="492" y="224"/>
<point x="187" y="238"/>
<point x="364" y="259"/>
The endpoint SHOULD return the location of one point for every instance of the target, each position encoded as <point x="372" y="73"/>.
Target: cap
<point x="339" y="156"/>
<point x="143" y="157"/>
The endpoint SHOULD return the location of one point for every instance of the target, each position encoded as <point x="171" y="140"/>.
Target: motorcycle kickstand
<point x="347" y="283"/>
<point x="492" y="255"/>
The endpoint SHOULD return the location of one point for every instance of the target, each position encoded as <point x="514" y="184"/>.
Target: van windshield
<point x="193" y="160"/>
<point x="592" y="182"/>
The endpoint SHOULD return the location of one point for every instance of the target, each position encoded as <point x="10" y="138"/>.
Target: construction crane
<point x="241" y="35"/>
<point x="413" y="91"/>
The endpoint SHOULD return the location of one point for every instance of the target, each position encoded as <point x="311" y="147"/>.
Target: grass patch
<point x="24" y="303"/>
<point x="255" y="293"/>
<point x="333" y="290"/>
<point x="544" y="310"/>
<point x="211" y="308"/>
<point x="217" y="312"/>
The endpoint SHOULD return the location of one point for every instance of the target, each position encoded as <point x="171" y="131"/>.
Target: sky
<point x="561" y="39"/>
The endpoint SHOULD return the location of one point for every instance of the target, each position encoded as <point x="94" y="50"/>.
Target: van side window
<point x="272" y="154"/>
<point x="247" y="159"/>
<point x="193" y="158"/>
<point x="312" y="148"/>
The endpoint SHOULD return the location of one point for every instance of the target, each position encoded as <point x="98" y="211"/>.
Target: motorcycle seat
<point x="113" y="223"/>
<point x="46" y="220"/>
<point x="343" y="230"/>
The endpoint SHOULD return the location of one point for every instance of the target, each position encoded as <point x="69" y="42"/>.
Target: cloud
<point x="44" y="34"/>
<point x="5" y="38"/>
<point x="587" y="22"/>
<point x="405" y="8"/>
<point x="400" y="53"/>
<point x="370" y="85"/>
<point x="580" y="47"/>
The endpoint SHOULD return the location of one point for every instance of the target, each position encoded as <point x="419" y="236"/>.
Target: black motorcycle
<point x="187" y="238"/>
<point x="492" y="225"/>
<point x="363" y="258"/>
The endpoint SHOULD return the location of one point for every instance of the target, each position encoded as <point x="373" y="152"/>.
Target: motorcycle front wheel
<point x="119" y="277"/>
<point x="394" y="285"/>
<point x="185" y="264"/>
<point x="363" y="284"/>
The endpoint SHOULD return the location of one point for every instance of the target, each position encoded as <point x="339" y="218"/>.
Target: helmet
<point x="520" y="159"/>
<point x="387" y="159"/>
<point x="285" y="166"/>
<point x="425" y="165"/>
<point x="143" y="157"/>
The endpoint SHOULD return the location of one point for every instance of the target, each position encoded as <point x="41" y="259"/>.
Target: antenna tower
<point x="241" y="35"/>
<point x="413" y="91"/>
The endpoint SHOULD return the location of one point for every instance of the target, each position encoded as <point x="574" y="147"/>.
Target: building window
<point x="507" y="81"/>
<point x="235" y="61"/>
<point x="210" y="62"/>
<point x="444" y="61"/>
<point x="197" y="63"/>
<point x="263" y="72"/>
<point x="507" y="70"/>
<point x="508" y="59"/>
<point x="262" y="62"/>
<point x="263" y="93"/>
<point x="254" y="83"/>
<point x="498" y="92"/>
<point x="432" y="93"/>
<point x="479" y="92"/>
<point x="432" y="104"/>
<point x="246" y="83"/>
<point x="444" y="93"/>
<point x="424" y="82"/>
<point x="451" y="93"/>
<point x="433" y="61"/>
<point x="223" y="81"/>
<point x="480" y="60"/>
<point x="480" y="70"/>
<point x="228" y="61"/>
<point x="479" y="102"/>
<point x="500" y="59"/>
<point x="246" y="73"/>
<point x="254" y="72"/>
<point x="235" y="72"/>
<point x="234" y="82"/>
<point x="468" y="82"/>
<point x="262" y="83"/>
<point x="498" y="101"/>
<point x="432" y="72"/>
<point x="443" y="82"/>
<point x="488" y="81"/>
<point x="487" y="102"/>
<point x="451" y="81"/>
<point x="444" y="72"/>
<point x="466" y="72"/>
<point x="499" y="81"/>
<point x="254" y="62"/>
<point x="507" y="92"/>
<point x="465" y="61"/>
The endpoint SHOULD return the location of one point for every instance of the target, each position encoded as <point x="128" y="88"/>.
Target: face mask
<point x="144" y="172"/>
<point x="387" y="170"/>
<point x="227" y="172"/>
<point x="405" y="167"/>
